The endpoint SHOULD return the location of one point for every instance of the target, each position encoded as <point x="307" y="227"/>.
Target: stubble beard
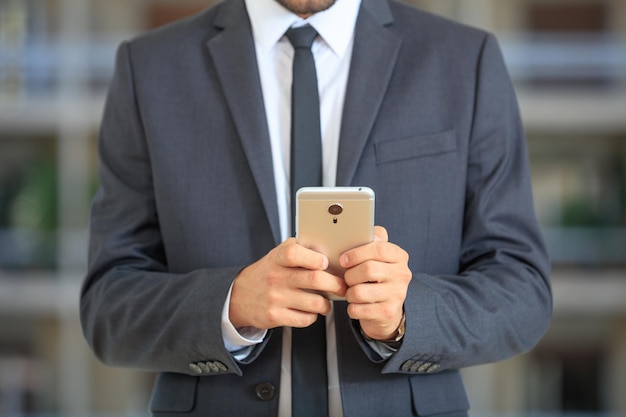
<point x="306" y="7"/>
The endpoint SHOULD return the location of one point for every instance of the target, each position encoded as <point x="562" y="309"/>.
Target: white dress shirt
<point x="332" y="51"/>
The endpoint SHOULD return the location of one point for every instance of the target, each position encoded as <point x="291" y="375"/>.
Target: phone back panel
<point x="331" y="220"/>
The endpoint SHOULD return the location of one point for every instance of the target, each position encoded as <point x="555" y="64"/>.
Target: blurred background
<point x="568" y="61"/>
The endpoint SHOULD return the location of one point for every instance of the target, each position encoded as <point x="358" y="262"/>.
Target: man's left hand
<point x="378" y="277"/>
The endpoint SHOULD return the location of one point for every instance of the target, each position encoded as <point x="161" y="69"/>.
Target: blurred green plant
<point x="35" y="206"/>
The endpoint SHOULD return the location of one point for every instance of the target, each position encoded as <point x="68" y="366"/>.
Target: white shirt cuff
<point x="383" y="349"/>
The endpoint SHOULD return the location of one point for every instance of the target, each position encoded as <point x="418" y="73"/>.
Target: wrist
<point x="395" y="340"/>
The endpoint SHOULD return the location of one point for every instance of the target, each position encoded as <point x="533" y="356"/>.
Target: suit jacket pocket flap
<point x="174" y="393"/>
<point x="413" y="147"/>
<point x="441" y="393"/>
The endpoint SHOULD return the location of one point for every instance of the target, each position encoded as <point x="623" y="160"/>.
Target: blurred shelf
<point x="46" y="114"/>
<point x="589" y="292"/>
<point x="586" y="246"/>
<point x="27" y="249"/>
<point x="39" y="293"/>
<point x="576" y="56"/>
<point x="580" y="110"/>
<point x="24" y="249"/>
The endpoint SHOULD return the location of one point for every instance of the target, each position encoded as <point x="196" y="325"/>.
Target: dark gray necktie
<point x="306" y="142"/>
<point x="309" y="385"/>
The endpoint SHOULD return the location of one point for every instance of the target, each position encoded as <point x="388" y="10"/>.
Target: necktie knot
<point x="302" y="37"/>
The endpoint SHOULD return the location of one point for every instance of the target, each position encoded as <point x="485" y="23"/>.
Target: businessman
<point x="193" y="273"/>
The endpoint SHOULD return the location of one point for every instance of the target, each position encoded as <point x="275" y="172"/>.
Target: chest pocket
<point x="416" y="147"/>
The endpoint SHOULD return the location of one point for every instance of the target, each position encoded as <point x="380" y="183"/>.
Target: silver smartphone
<point x="332" y="220"/>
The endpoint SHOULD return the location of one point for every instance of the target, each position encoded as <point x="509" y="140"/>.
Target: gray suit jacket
<point x="187" y="199"/>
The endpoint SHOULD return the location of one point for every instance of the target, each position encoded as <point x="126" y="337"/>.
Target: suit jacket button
<point x="416" y="366"/>
<point x="265" y="391"/>
<point x="433" y="368"/>
<point x="221" y="367"/>
<point x="424" y="367"/>
<point x="406" y="366"/>
<point x="195" y="368"/>
<point x="212" y="367"/>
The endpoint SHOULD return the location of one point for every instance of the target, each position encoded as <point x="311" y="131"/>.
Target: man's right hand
<point x="283" y="289"/>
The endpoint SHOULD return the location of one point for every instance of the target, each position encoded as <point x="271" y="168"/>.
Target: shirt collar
<point x="335" y="25"/>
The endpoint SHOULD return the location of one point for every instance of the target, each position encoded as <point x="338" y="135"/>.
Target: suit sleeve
<point x="133" y="311"/>
<point x="500" y="302"/>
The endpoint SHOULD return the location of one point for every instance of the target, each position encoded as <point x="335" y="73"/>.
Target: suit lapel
<point x="373" y="60"/>
<point x="234" y="58"/>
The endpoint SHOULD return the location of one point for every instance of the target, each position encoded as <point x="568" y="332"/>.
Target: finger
<point x="311" y="309"/>
<point x="300" y="319"/>
<point x="380" y="235"/>
<point x="292" y="317"/>
<point x="308" y="302"/>
<point x="367" y="311"/>
<point x="318" y="282"/>
<point x="381" y="251"/>
<point x="381" y="312"/>
<point x="374" y="281"/>
<point x="368" y="272"/>
<point x="292" y="255"/>
<point x="390" y="291"/>
<point x="366" y="293"/>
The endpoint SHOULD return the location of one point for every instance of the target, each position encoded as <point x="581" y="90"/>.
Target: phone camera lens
<point x="335" y="209"/>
